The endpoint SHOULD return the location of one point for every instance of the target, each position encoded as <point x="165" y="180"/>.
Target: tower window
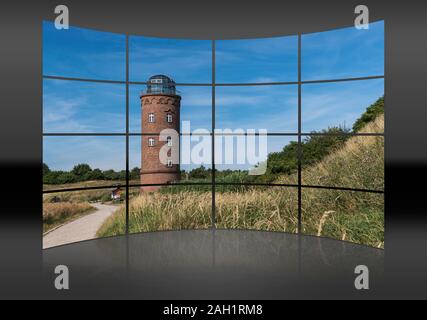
<point x="169" y="141"/>
<point x="151" y="142"/>
<point x="169" y="163"/>
<point x="169" y="117"/>
<point x="151" y="117"/>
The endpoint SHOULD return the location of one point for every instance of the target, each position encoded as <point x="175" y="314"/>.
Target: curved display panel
<point x="150" y="134"/>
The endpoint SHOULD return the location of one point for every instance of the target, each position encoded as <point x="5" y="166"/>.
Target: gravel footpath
<point x="83" y="228"/>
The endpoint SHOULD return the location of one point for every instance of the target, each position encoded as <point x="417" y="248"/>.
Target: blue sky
<point x="343" y="53"/>
<point x="71" y="106"/>
<point x="75" y="106"/>
<point x="83" y="53"/>
<point x="185" y="61"/>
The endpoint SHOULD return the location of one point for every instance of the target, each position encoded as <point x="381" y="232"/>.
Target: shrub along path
<point x="84" y="228"/>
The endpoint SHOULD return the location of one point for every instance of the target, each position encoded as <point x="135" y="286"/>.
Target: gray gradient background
<point x="405" y="259"/>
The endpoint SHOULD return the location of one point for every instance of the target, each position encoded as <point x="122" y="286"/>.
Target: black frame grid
<point x="213" y="182"/>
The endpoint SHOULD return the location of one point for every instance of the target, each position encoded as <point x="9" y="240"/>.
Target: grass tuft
<point x="55" y="214"/>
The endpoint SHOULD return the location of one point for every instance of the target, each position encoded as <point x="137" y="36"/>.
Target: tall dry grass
<point x="345" y="215"/>
<point x="258" y="208"/>
<point x="58" y="213"/>
<point x="352" y="216"/>
<point x="162" y="211"/>
<point x="273" y="209"/>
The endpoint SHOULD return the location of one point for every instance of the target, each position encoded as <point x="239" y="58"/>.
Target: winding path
<point x="83" y="228"/>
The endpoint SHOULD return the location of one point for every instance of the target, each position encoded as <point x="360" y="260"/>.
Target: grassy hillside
<point x="352" y="216"/>
<point x="358" y="163"/>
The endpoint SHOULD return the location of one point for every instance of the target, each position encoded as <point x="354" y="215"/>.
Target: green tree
<point x="315" y="148"/>
<point x="46" y="169"/>
<point x="199" y="173"/>
<point x="122" y="175"/>
<point x="96" y="174"/>
<point x="110" y="175"/>
<point x="370" y="114"/>
<point x="81" y="170"/>
<point x="135" y="173"/>
<point x="67" y="177"/>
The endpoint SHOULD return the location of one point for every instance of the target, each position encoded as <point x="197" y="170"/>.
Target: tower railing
<point x="160" y="90"/>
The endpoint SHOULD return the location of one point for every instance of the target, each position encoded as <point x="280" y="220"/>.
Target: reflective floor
<point x="213" y="264"/>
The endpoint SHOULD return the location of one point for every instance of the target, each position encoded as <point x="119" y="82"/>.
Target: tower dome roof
<point x="160" y="83"/>
<point x="161" y="77"/>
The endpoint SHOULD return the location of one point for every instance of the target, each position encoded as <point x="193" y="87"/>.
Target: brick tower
<point x="160" y="110"/>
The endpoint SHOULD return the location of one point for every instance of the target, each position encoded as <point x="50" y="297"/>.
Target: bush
<point x="135" y="174"/>
<point x="96" y="174"/>
<point x="371" y="113"/>
<point x="199" y="173"/>
<point x="81" y="170"/>
<point x="110" y="175"/>
<point x="46" y="169"/>
<point x="67" y="177"/>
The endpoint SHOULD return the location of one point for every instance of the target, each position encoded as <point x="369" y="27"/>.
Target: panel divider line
<point x="219" y="183"/>
<point x="343" y="79"/>
<point x="299" y="230"/>
<point x="118" y="134"/>
<point x="51" y="77"/>
<point x="299" y="139"/>
<point x="83" y="134"/>
<point x="213" y="138"/>
<point x="127" y="135"/>
<point x="83" y="79"/>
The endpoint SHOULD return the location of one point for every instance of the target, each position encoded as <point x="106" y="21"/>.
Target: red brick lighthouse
<point x="160" y="110"/>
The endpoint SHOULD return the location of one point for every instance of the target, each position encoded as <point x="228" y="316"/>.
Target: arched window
<point x="151" y="117"/>
<point x="169" y="163"/>
<point x="169" y="141"/>
<point x="151" y="142"/>
<point x="169" y="117"/>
